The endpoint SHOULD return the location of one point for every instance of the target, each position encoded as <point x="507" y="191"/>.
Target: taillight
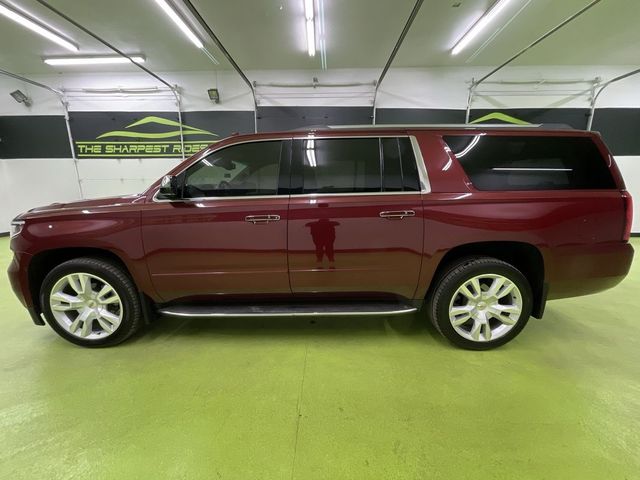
<point x="628" y="215"/>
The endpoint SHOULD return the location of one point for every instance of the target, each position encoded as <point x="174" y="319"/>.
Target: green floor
<point x="342" y="398"/>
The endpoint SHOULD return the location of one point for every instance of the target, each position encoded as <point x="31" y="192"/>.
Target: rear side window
<point x="531" y="163"/>
<point x="341" y="165"/>
<point x="357" y="165"/>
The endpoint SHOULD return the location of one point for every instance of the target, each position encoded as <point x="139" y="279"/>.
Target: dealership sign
<point x="160" y="138"/>
<point x="150" y="134"/>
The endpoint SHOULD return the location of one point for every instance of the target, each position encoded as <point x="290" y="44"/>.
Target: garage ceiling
<point x="269" y="34"/>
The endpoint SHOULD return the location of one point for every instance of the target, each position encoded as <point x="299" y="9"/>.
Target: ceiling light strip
<point x="110" y="60"/>
<point x="489" y="16"/>
<point x="310" y="25"/>
<point x="323" y="45"/>
<point x="173" y="15"/>
<point x="36" y="27"/>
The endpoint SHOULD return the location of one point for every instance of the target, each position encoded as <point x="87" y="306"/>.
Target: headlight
<point x="16" y="227"/>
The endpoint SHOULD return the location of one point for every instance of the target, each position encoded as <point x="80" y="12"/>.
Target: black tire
<point x="118" y="279"/>
<point x="459" y="273"/>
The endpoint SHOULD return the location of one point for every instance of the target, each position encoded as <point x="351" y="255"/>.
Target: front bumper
<point x="19" y="280"/>
<point x="15" y="278"/>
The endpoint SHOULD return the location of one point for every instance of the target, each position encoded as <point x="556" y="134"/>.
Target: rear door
<point x="355" y="216"/>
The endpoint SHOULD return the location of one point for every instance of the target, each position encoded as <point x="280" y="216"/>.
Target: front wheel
<point x="481" y="303"/>
<point x="91" y="302"/>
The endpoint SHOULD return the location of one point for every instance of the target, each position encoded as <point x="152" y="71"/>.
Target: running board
<point x="288" y="310"/>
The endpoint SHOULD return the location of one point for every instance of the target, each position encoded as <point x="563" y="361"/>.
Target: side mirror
<point x="169" y="187"/>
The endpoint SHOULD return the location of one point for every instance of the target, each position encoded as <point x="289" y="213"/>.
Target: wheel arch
<point x="524" y="256"/>
<point x="42" y="263"/>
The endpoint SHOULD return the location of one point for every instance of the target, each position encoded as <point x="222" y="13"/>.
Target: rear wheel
<point x="91" y="302"/>
<point x="481" y="303"/>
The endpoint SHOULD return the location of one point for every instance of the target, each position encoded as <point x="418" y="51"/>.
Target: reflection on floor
<point x="326" y="398"/>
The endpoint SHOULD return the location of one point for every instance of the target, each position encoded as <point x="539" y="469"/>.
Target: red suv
<point x="476" y="227"/>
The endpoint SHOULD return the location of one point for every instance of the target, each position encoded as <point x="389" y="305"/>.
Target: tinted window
<point x="392" y="166"/>
<point x="400" y="172"/>
<point x="410" y="178"/>
<point x="241" y="170"/>
<point x="531" y="163"/>
<point x="342" y="165"/>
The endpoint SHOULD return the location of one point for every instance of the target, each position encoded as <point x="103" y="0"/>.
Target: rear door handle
<point x="255" y="219"/>
<point x="398" y="214"/>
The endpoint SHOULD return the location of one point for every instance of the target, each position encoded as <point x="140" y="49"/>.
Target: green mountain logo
<point x="501" y="117"/>
<point x="153" y="120"/>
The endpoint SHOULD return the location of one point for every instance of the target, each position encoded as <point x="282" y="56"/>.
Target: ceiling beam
<point x="32" y="82"/>
<point x="194" y="11"/>
<point x="394" y="52"/>
<point x="104" y="42"/>
<point x="592" y="4"/>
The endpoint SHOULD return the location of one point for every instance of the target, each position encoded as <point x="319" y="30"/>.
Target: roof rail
<point x="557" y="126"/>
<point x="311" y="127"/>
<point x="437" y="126"/>
<point x="550" y="126"/>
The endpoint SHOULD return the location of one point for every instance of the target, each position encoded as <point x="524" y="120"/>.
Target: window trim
<point x="425" y="185"/>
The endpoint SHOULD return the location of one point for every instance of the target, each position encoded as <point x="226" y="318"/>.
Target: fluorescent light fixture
<point x="309" y="14"/>
<point x="34" y="26"/>
<point x="104" y="60"/>
<point x="173" y="15"/>
<point x="480" y="25"/>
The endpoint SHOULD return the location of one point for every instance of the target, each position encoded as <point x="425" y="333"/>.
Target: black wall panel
<point x="418" y="115"/>
<point x="620" y="128"/>
<point x="46" y="136"/>
<point x="272" y="119"/>
<point x="42" y="136"/>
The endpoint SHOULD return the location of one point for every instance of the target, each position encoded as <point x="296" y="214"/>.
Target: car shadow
<point x="409" y="325"/>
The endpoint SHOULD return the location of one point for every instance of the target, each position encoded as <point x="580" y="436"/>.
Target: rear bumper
<point x="574" y="271"/>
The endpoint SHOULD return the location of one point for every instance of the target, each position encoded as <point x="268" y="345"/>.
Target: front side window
<point x="246" y="169"/>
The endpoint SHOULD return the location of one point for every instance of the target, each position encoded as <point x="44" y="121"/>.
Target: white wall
<point x="25" y="183"/>
<point x="30" y="182"/>
<point x="102" y="177"/>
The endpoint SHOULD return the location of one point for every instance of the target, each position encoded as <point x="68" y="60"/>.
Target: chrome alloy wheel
<point x="86" y="306"/>
<point x="485" y="308"/>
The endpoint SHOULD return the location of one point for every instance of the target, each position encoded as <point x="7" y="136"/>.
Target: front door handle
<point x="255" y="219"/>
<point x="397" y="215"/>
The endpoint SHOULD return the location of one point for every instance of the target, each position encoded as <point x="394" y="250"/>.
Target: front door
<point x="228" y="235"/>
<point x="355" y="217"/>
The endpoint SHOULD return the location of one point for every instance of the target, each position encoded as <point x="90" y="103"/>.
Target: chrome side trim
<point x="425" y="185"/>
<point x="351" y="194"/>
<point x="295" y="195"/>
<point x="205" y="199"/>
<point x="177" y="313"/>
